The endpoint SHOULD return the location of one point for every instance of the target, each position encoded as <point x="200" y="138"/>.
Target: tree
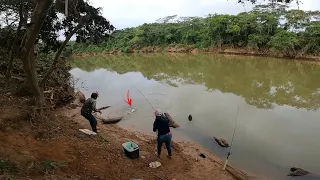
<point x="27" y="51"/>
<point x="44" y="28"/>
<point x="285" y="41"/>
<point x="96" y="28"/>
<point x="14" y="48"/>
<point x="311" y="39"/>
<point x="253" y="29"/>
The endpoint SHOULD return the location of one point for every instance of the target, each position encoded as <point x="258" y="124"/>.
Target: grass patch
<point x="49" y="166"/>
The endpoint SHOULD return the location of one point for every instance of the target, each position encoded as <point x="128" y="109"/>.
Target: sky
<point x="129" y="13"/>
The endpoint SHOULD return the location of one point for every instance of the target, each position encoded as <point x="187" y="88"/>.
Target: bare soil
<point x="30" y="145"/>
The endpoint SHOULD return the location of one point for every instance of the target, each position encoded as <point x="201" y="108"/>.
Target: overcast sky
<point x="130" y="13"/>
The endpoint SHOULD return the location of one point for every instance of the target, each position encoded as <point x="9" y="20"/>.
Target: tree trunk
<point x="37" y="19"/>
<point x="14" y="48"/>
<point x="28" y="61"/>
<point x="63" y="45"/>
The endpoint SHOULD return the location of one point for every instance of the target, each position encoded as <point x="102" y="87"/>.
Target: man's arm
<point x="155" y="126"/>
<point x="94" y="107"/>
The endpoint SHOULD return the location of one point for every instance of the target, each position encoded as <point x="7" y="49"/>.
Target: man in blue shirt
<point x="161" y="124"/>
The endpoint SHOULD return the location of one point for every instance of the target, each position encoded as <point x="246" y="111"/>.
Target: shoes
<point x="170" y="157"/>
<point x="97" y="131"/>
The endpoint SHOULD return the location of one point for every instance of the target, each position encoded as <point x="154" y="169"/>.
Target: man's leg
<point x="168" y="139"/>
<point x="93" y="122"/>
<point x="87" y="117"/>
<point x="159" y="140"/>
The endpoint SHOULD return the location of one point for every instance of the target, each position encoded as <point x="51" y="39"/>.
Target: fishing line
<point x="127" y="113"/>
<point x="166" y="109"/>
<point x="234" y="131"/>
<point x="144" y="97"/>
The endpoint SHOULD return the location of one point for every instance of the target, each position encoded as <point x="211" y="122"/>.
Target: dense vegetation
<point x="271" y="28"/>
<point x="29" y="46"/>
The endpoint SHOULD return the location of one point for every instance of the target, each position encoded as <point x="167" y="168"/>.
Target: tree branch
<point x="38" y="16"/>
<point x="63" y="45"/>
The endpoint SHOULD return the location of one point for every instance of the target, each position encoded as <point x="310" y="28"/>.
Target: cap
<point x="158" y="113"/>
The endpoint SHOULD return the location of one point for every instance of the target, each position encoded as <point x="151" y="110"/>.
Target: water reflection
<point x="263" y="82"/>
<point x="278" y="117"/>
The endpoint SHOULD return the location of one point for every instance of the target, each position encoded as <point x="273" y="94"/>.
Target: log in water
<point x="108" y="120"/>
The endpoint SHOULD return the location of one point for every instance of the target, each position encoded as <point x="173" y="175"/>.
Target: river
<point x="278" y="122"/>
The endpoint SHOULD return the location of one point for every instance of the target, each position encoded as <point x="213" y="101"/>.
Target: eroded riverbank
<point x="226" y="51"/>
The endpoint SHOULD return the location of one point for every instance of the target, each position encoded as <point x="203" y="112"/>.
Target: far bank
<point x="191" y="50"/>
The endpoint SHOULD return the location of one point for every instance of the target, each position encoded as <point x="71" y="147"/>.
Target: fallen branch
<point x="221" y="142"/>
<point x="172" y="122"/>
<point x="14" y="77"/>
<point x="47" y="92"/>
<point x="55" y="61"/>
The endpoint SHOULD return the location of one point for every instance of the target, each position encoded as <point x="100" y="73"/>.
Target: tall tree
<point x="83" y="20"/>
<point x="27" y="52"/>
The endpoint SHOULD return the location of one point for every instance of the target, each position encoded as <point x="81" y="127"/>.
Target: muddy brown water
<point x="278" y="124"/>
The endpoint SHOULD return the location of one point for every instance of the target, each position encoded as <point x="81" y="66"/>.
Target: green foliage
<point x="4" y="165"/>
<point x="284" y="41"/>
<point x="94" y="30"/>
<point x="50" y="166"/>
<point x="268" y="26"/>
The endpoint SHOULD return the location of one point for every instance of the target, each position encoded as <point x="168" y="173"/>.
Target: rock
<point x="295" y="171"/>
<point x="221" y="142"/>
<point x="8" y="129"/>
<point x="155" y="164"/>
<point x="80" y="97"/>
<point x="73" y="105"/>
<point x="202" y="155"/>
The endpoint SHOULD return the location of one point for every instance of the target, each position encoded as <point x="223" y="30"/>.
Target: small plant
<point x="51" y="166"/>
<point x="4" y="166"/>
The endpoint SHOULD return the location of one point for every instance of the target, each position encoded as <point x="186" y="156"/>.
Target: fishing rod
<point x="234" y="131"/>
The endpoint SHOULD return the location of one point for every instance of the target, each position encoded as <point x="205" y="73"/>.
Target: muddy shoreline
<point x="185" y="148"/>
<point x="227" y="51"/>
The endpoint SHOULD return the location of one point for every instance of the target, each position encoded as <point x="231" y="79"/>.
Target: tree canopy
<point x="266" y="27"/>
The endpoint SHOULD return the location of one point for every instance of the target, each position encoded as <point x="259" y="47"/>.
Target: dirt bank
<point x="52" y="147"/>
<point x="224" y="50"/>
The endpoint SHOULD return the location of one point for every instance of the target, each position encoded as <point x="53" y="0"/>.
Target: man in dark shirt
<point x="161" y="124"/>
<point x="87" y="108"/>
